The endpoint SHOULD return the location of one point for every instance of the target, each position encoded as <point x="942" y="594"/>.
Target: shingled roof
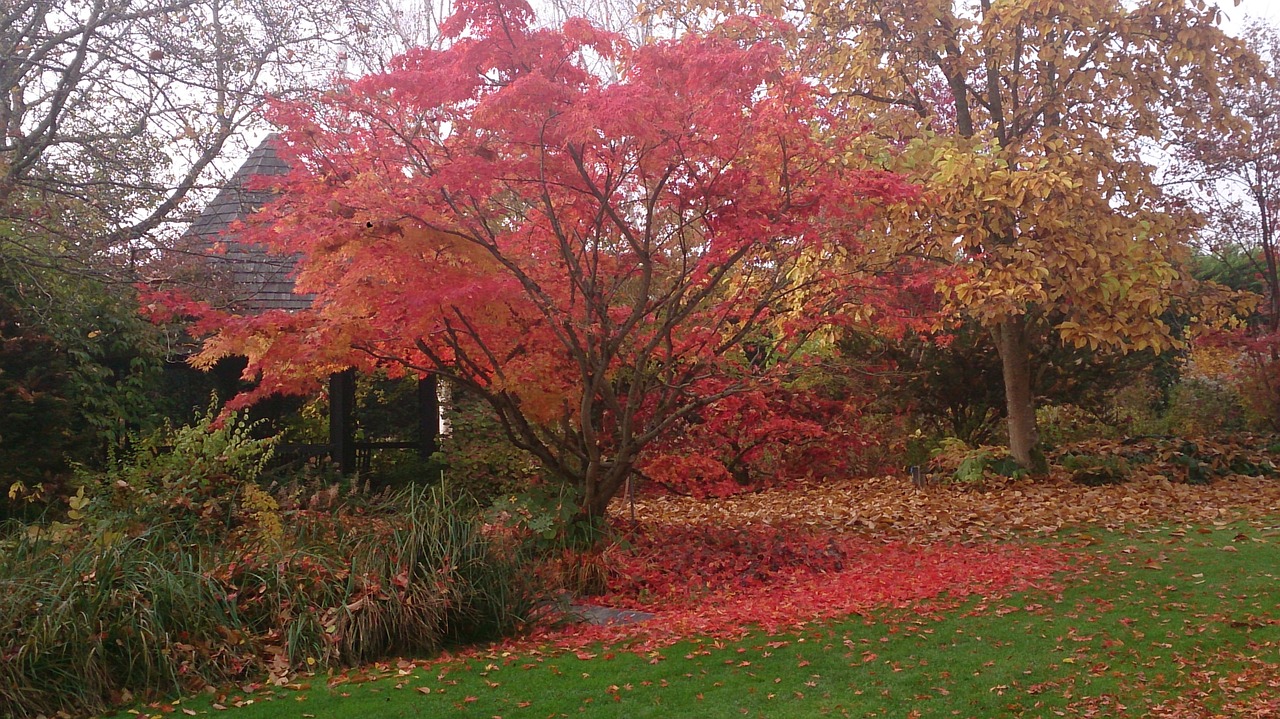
<point x="254" y="280"/>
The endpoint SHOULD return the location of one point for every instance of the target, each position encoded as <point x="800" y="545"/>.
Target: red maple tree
<point x="599" y="259"/>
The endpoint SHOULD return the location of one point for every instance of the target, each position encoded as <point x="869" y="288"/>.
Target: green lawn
<point x="1174" y="613"/>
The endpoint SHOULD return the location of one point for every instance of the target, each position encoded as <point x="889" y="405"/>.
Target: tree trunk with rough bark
<point x="1015" y="358"/>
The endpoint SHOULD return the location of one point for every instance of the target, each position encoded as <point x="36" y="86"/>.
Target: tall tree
<point x="113" y="114"/>
<point x="1026" y="122"/>
<point x="596" y="259"/>
<point x="1234" y="178"/>
<point x="114" y="111"/>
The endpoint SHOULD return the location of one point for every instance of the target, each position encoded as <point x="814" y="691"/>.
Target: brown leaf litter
<point x="893" y="508"/>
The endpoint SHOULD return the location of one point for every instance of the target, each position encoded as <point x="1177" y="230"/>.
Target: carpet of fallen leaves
<point x="721" y="582"/>
<point x="892" y="508"/>
<point x="781" y="558"/>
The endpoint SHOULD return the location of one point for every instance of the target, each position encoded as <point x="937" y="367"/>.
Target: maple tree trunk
<point x="1015" y="360"/>
<point x="592" y="505"/>
<point x="595" y="506"/>
<point x="599" y="488"/>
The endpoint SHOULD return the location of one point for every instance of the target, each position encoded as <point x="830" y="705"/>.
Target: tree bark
<point x="1015" y="359"/>
<point x="600" y="487"/>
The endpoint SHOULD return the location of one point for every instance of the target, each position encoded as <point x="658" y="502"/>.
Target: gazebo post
<point x="342" y="400"/>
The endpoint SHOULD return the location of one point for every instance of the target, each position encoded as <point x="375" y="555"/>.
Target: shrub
<point x="1061" y="424"/>
<point x="571" y="550"/>
<point x="1199" y="407"/>
<point x="190" y="476"/>
<point x="1136" y="409"/>
<point x="967" y="465"/>
<point x="80" y="370"/>
<point x="809" y="427"/>
<point x="398" y="468"/>
<point x="1178" y="459"/>
<point x="1247" y="363"/>
<point x="1094" y="470"/>
<point x="478" y="457"/>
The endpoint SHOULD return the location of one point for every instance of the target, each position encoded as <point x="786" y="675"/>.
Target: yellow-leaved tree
<point x="1032" y="127"/>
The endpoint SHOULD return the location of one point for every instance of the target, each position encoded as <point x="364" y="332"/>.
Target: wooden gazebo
<point x="249" y="279"/>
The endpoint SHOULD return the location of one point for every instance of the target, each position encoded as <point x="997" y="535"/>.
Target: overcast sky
<point x="1235" y="17"/>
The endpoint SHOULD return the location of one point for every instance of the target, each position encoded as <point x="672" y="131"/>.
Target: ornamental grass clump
<point x="105" y="607"/>
<point x="85" y="626"/>
<point x="411" y="575"/>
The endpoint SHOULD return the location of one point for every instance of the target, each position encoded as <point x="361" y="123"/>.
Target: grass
<point x="1179" y="619"/>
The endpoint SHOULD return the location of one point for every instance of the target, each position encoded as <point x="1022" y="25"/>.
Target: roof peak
<point x="263" y="161"/>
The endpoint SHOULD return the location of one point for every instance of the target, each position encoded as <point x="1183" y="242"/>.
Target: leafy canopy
<point x="1029" y="124"/>
<point x="597" y="259"/>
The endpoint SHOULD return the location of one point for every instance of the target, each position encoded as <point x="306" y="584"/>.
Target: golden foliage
<point x="264" y="512"/>
<point x="1025" y="122"/>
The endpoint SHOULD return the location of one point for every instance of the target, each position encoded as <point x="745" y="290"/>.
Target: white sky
<point x="1235" y="16"/>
